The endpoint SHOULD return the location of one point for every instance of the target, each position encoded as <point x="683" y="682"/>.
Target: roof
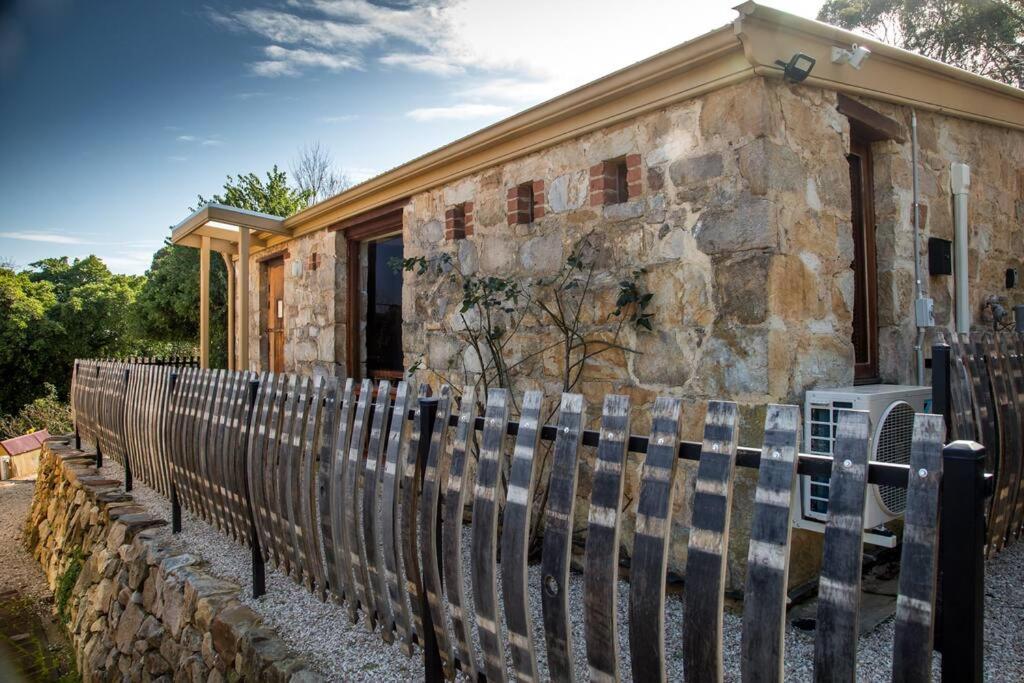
<point x="223" y="224"/>
<point x="24" y="444"/>
<point x="731" y="54"/>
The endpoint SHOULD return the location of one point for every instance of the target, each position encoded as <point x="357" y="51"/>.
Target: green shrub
<point x="46" y="412"/>
<point x="65" y="583"/>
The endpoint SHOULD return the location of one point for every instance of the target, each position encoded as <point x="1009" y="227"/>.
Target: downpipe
<point x="960" y="185"/>
<point x="924" y="314"/>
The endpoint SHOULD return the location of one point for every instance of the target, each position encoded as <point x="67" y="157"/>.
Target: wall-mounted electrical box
<point x="940" y="256"/>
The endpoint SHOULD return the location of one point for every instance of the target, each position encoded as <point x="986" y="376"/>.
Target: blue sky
<point x="115" y="114"/>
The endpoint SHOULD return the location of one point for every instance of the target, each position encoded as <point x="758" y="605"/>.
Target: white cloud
<point x="550" y="47"/>
<point x="288" y="62"/>
<point x="292" y="29"/>
<point x="343" y="118"/>
<point x="49" y="237"/>
<point x="431" y="64"/>
<point x="465" y="110"/>
<point x="510" y="90"/>
<point x="177" y="159"/>
<point x="250" y="95"/>
<point x="130" y="262"/>
<point x="212" y="141"/>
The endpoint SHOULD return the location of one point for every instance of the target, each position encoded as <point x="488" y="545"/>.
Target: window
<point x="383" y="347"/>
<point x="526" y="202"/>
<point x="615" y="181"/>
<point x="865" y="272"/>
<point x="458" y="221"/>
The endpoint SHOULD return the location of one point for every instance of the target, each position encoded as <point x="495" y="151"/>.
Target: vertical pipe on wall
<point x="960" y="184"/>
<point x="204" y="302"/>
<point x="919" y="318"/>
<point x="243" y="299"/>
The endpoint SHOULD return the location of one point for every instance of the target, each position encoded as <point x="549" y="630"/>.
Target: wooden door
<point x="275" y="315"/>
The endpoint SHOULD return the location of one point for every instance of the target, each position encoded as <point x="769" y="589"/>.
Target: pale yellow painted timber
<point x="204" y="302"/>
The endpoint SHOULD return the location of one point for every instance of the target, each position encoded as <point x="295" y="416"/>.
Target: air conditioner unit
<point x="891" y="408"/>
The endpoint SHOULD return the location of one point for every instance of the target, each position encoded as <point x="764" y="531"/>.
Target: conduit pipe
<point x="960" y="184"/>
<point x="923" y="310"/>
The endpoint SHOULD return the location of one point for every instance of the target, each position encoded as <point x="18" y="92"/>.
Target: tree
<point x="274" y="196"/>
<point x="983" y="36"/>
<point x="24" y="333"/>
<point x="314" y="172"/>
<point x="167" y="308"/>
<point x="57" y="311"/>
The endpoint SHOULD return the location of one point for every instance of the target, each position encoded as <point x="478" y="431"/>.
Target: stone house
<point x="768" y="211"/>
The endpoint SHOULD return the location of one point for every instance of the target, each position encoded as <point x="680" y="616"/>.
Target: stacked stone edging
<point x="141" y="611"/>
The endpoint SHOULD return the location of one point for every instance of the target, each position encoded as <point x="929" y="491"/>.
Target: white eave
<point x="223" y="225"/>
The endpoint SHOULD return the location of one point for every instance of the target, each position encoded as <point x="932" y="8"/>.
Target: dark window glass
<point x="383" y="309"/>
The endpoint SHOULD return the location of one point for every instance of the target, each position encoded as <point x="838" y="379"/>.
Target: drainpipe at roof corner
<point x="960" y="185"/>
<point x="923" y="306"/>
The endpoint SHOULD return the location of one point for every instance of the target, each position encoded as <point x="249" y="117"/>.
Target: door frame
<point x="866" y="372"/>
<point x="375" y="224"/>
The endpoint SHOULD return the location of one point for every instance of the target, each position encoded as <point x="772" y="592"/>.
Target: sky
<point x="116" y="114"/>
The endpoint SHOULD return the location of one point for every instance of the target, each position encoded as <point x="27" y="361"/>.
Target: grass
<point x="65" y="583"/>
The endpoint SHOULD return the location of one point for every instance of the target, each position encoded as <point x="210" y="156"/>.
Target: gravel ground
<point x="345" y="651"/>
<point x="18" y="570"/>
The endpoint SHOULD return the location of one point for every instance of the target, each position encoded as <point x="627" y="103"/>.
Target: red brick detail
<point x="539" y="199"/>
<point x="313" y="262"/>
<point x="634" y="178"/>
<point x="604" y="183"/>
<point x="467" y="218"/>
<point x="455" y="222"/>
<point x="520" y="204"/>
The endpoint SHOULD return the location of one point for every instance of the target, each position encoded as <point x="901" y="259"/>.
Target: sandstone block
<point x="128" y="626"/>
<point x="744" y="225"/>
<point x="699" y="169"/>
<point x="741" y="288"/>
<point x="770" y="168"/>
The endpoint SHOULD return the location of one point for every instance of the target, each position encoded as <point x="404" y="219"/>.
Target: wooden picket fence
<point x="987" y="405"/>
<point x="359" y="492"/>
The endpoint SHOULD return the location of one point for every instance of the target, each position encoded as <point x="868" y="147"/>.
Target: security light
<point x="797" y="68"/>
<point x="855" y="56"/>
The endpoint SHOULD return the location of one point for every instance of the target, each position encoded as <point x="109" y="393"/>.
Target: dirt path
<point x="30" y="635"/>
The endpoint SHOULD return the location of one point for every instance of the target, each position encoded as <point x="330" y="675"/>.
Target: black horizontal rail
<point x="884" y="473"/>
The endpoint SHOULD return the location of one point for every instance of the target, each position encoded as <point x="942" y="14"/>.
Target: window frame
<point x="864" y="336"/>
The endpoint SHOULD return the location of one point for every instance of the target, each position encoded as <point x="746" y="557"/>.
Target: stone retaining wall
<point x="140" y="611"/>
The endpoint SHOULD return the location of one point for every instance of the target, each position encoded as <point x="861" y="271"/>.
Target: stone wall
<point x="139" y="612"/>
<point x="315" y="305"/>
<point x="743" y="226"/>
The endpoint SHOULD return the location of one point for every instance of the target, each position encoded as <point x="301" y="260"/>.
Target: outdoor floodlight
<point x="855" y="56"/>
<point x="797" y="68"/>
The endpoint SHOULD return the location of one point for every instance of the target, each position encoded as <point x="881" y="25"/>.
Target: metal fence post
<point x="99" y="449"/>
<point x="78" y="436"/>
<point x="127" y="458"/>
<point x="175" y="510"/>
<point x="940" y="383"/>
<point x="433" y="668"/>
<point x="961" y="616"/>
<point x="175" y="503"/>
<point x="259" y="571"/>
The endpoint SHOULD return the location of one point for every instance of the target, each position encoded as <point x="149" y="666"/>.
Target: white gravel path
<point x="344" y="651"/>
<point x="18" y="569"/>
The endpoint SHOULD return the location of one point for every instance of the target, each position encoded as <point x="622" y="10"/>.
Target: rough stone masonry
<point x="139" y="611"/>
